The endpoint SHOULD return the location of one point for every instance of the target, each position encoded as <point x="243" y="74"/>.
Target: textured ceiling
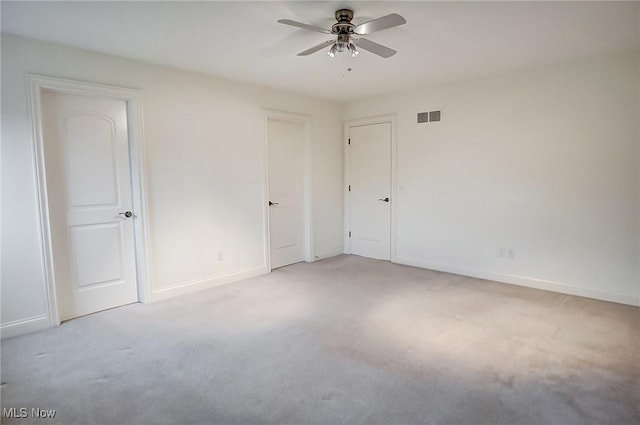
<point x="442" y="41"/>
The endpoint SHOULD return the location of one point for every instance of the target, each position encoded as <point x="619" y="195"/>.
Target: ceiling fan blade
<point x="373" y="47"/>
<point x="316" y="48"/>
<point x="388" y="21"/>
<point x="304" y="26"/>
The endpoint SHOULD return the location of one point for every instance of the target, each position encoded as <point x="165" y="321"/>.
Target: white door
<point x="286" y="196"/>
<point x="90" y="201"/>
<point x="370" y="190"/>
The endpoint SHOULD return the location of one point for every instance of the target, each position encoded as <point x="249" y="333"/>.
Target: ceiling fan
<point x="347" y="35"/>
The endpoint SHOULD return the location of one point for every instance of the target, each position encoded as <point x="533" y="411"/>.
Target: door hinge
<point x="349" y="234"/>
<point x="349" y="141"/>
<point x="349" y="188"/>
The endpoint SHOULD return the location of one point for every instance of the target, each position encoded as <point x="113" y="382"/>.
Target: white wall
<point x="543" y="161"/>
<point x="204" y="141"/>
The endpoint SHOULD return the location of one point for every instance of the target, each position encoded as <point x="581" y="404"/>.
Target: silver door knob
<point x="383" y="199"/>
<point x="126" y="214"/>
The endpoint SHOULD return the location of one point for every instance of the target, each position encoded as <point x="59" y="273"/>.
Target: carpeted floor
<point x="346" y="340"/>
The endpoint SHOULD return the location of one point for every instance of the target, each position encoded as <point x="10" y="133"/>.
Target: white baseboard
<point x="328" y="254"/>
<point x="24" y="326"/>
<point x="205" y="283"/>
<point x="530" y="282"/>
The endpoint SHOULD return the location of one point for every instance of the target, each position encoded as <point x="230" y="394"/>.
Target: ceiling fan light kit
<point x="348" y="35"/>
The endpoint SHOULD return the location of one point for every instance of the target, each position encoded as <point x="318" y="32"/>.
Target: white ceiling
<point x="238" y="40"/>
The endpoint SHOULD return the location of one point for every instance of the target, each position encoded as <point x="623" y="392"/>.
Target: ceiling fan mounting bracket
<point x="344" y="15"/>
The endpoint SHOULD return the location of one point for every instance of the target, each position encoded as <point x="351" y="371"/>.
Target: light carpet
<point x="347" y="340"/>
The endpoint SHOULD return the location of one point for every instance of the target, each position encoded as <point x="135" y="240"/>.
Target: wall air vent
<point x="428" y="116"/>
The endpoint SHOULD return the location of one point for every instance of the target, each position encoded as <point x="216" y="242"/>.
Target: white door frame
<point x="391" y="119"/>
<point x="133" y="98"/>
<point x="305" y="120"/>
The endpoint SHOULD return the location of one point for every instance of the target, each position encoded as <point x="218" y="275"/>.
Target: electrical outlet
<point x="220" y="256"/>
<point x="502" y="252"/>
<point x="512" y="254"/>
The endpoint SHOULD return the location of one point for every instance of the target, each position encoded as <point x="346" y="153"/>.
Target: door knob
<point x="271" y="204"/>
<point x="383" y="200"/>
<point x="126" y="214"/>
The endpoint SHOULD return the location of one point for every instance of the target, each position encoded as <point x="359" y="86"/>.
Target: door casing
<point x="306" y="186"/>
<point x="391" y="119"/>
<point x="133" y="98"/>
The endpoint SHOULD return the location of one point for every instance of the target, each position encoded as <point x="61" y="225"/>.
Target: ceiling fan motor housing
<point x="344" y="25"/>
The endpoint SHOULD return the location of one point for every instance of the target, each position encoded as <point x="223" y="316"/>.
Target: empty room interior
<point x="320" y="212"/>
